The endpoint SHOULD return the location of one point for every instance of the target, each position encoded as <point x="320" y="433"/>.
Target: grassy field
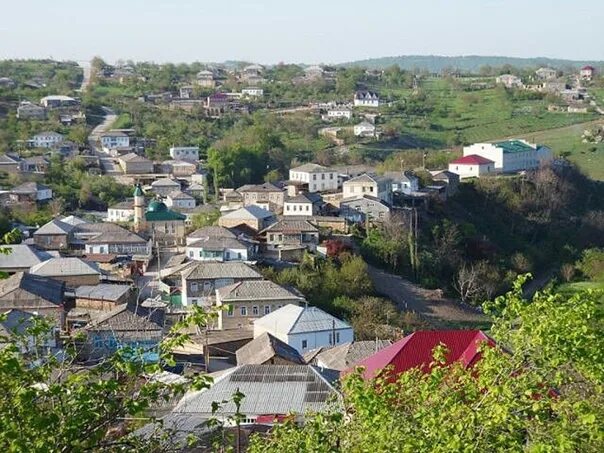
<point x="567" y="141"/>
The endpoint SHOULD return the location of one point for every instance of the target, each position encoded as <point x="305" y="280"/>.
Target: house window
<point x="323" y="176"/>
<point x="191" y="254"/>
<point x="194" y="287"/>
<point x="255" y="310"/>
<point x="314" y="177"/>
<point x="238" y="255"/>
<point x="267" y="309"/>
<point x="230" y="311"/>
<point x="207" y="286"/>
<point x="331" y="176"/>
<point x="304" y="344"/>
<point x="307" y="207"/>
<point x="243" y="311"/>
<point x="337" y="337"/>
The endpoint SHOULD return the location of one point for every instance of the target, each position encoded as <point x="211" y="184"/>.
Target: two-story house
<point x="266" y="195"/>
<point x="46" y="139"/>
<point x="365" y="98"/>
<point x="188" y="153"/>
<point x="291" y="233"/>
<point x="316" y="177"/>
<point x="111" y="140"/>
<point x="368" y="184"/>
<point x="180" y="200"/>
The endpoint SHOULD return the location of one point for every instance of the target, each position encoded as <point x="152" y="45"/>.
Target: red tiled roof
<point x="587" y="68"/>
<point x="472" y="159"/>
<point x="416" y="351"/>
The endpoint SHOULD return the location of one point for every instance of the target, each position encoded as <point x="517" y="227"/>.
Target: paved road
<point x="85" y="65"/>
<point x="426" y="303"/>
<point x="109" y="165"/>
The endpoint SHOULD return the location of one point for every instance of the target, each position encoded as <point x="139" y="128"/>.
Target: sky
<point x="303" y="31"/>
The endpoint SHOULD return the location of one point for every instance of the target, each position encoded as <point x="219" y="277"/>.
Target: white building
<point x="546" y="73"/>
<point x="364" y="129"/>
<point x="46" y="139"/>
<point x="300" y="205"/>
<point x="472" y="166"/>
<point x="405" y="182"/>
<point x="252" y="92"/>
<point x="114" y="139"/>
<point x="178" y="199"/>
<point x="121" y="212"/>
<point x="188" y="153"/>
<point x="339" y="112"/>
<point x="217" y="249"/>
<point x="304" y="328"/>
<point x="511" y="155"/>
<point x="317" y="177"/>
<point x="366" y="99"/>
<point x="587" y="72"/>
<point x="55" y="101"/>
<point x="509" y="81"/>
<point x="368" y="184"/>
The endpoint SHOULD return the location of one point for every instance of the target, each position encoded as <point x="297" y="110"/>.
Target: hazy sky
<point x="310" y="31"/>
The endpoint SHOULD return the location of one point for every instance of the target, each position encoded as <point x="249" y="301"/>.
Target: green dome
<point x="157" y="206"/>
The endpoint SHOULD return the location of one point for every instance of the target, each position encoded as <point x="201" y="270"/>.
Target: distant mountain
<point x="470" y="63"/>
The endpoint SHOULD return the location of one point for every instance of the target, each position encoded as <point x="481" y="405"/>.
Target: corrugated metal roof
<point x="264" y="348"/>
<point x="55" y="267"/>
<point x="293" y="319"/>
<point x="256" y="290"/>
<point x="215" y="269"/>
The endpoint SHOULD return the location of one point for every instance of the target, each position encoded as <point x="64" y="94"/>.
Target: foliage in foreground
<point x="539" y="390"/>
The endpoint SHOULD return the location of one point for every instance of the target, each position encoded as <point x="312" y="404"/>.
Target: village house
<point x="30" y="192"/>
<point x="46" y="139"/>
<point x="121" y="212"/>
<point x="344" y="356"/>
<point x="250" y="300"/>
<point x="111" y="140"/>
<point x="364" y="129"/>
<point x="165" y="225"/>
<point x="253" y="216"/>
<point x="546" y="73"/>
<point x="416" y="351"/>
<point x="366" y="99"/>
<point x="404" y="182"/>
<point x="186" y="92"/>
<point x="10" y="163"/>
<point x="34" y="294"/>
<point x="316" y="177"/>
<point x="266" y="195"/>
<point x="109" y="239"/>
<point x="73" y="272"/>
<point x="21" y="258"/>
<point x="205" y="79"/>
<point x="511" y="155"/>
<point x="268" y="350"/>
<point x="178" y="168"/>
<point x="472" y="166"/>
<point x="364" y="208"/>
<point x="54" y="235"/>
<point x="304" y="204"/>
<point x="127" y="326"/>
<point x="186" y="153"/>
<point x="195" y="190"/>
<point x="368" y="184"/>
<point x="163" y="187"/>
<point x="133" y="164"/>
<point x="102" y="297"/>
<point x="291" y="234"/>
<point x="253" y="92"/>
<point x="30" y="111"/>
<point x="338" y="113"/>
<point x="21" y="323"/>
<point x="446" y="181"/>
<point x="58" y="101"/>
<point x="304" y="328"/>
<point x="217" y="249"/>
<point x="35" y="164"/>
<point x="180" y="200"/>
<point x="200" y="282"/>
<point x="273" y="393"/>
<point x="509" y="81"/>
<point x="586" y="72"/>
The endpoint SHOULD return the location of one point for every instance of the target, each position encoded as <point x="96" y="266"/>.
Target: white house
<point x="114" y="139"/>
<point x="472" y="166"/>
<point x="366" y="99"/>
<point x="178" y="199"/>
<point x="33" y="191"/>
<point x="217" y="249"/>
<point x="317" y="177"/>
<point x="46" y="139"/>
<point x="368" y="184"/>
<point x="339" y="112"/>
<point x="300" y="205"/>
<point x="252" y="92"/>
<point x="121" y="212"/>
<point x="511" y="155"/>
<point x="188" y="153"/>
<point x="509" y="81"/>
<point x="304" y="328"/>
<point x="587" y="72"/>
<point x="364" y="129"/>
<point x="405" y="182"/>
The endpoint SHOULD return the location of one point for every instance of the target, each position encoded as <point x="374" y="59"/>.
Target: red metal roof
<point x="587" y="68"/>
<point x="472" y="159"/>
<point x="416" y="351"/>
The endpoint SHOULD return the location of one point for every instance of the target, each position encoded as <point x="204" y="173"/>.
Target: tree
<point x="539" y="388"/>
<point x="204" y="219"/>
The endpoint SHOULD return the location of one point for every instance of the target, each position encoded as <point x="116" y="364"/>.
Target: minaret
<point x="139" y="209"/>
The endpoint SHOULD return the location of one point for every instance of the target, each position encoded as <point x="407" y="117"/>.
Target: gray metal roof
<point x="211" y="232"/>
<point x="16" y="322"/>
<point x="55" y="226"/>
<point x="293" y="319"/>
<point x="29" y="188"/>
<point x="22" y="256"/>
<point x="268" y="389"/>
<point x="129" y="317"/>
<point x="251" y="212"/>
<point x="102" y="291"/>
<point x="291" y="226"/>
<point x="265" y="187"/>
<point x="346" y="355"/>
<point x="215" y="269"/>
<point x="62" y="267"/>
<point x="42" y="287"/>
<point x="165" y="182"/>
<point x="107" y="233"/>
<point x="217" y="244"/>
<point x="264" y="348"/>
<point x="178" y="195"/>
<point x="311" y="168"/>
<point x="257" y="290"/>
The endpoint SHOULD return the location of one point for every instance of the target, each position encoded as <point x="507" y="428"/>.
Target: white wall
<point x="120" y="215"/>
<point x="45" y="194"/>
<point x="471" y="170"/>
<point x="188" y="153"/>
<point x="110" y="141"/>
<point x="298" y="209"/>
